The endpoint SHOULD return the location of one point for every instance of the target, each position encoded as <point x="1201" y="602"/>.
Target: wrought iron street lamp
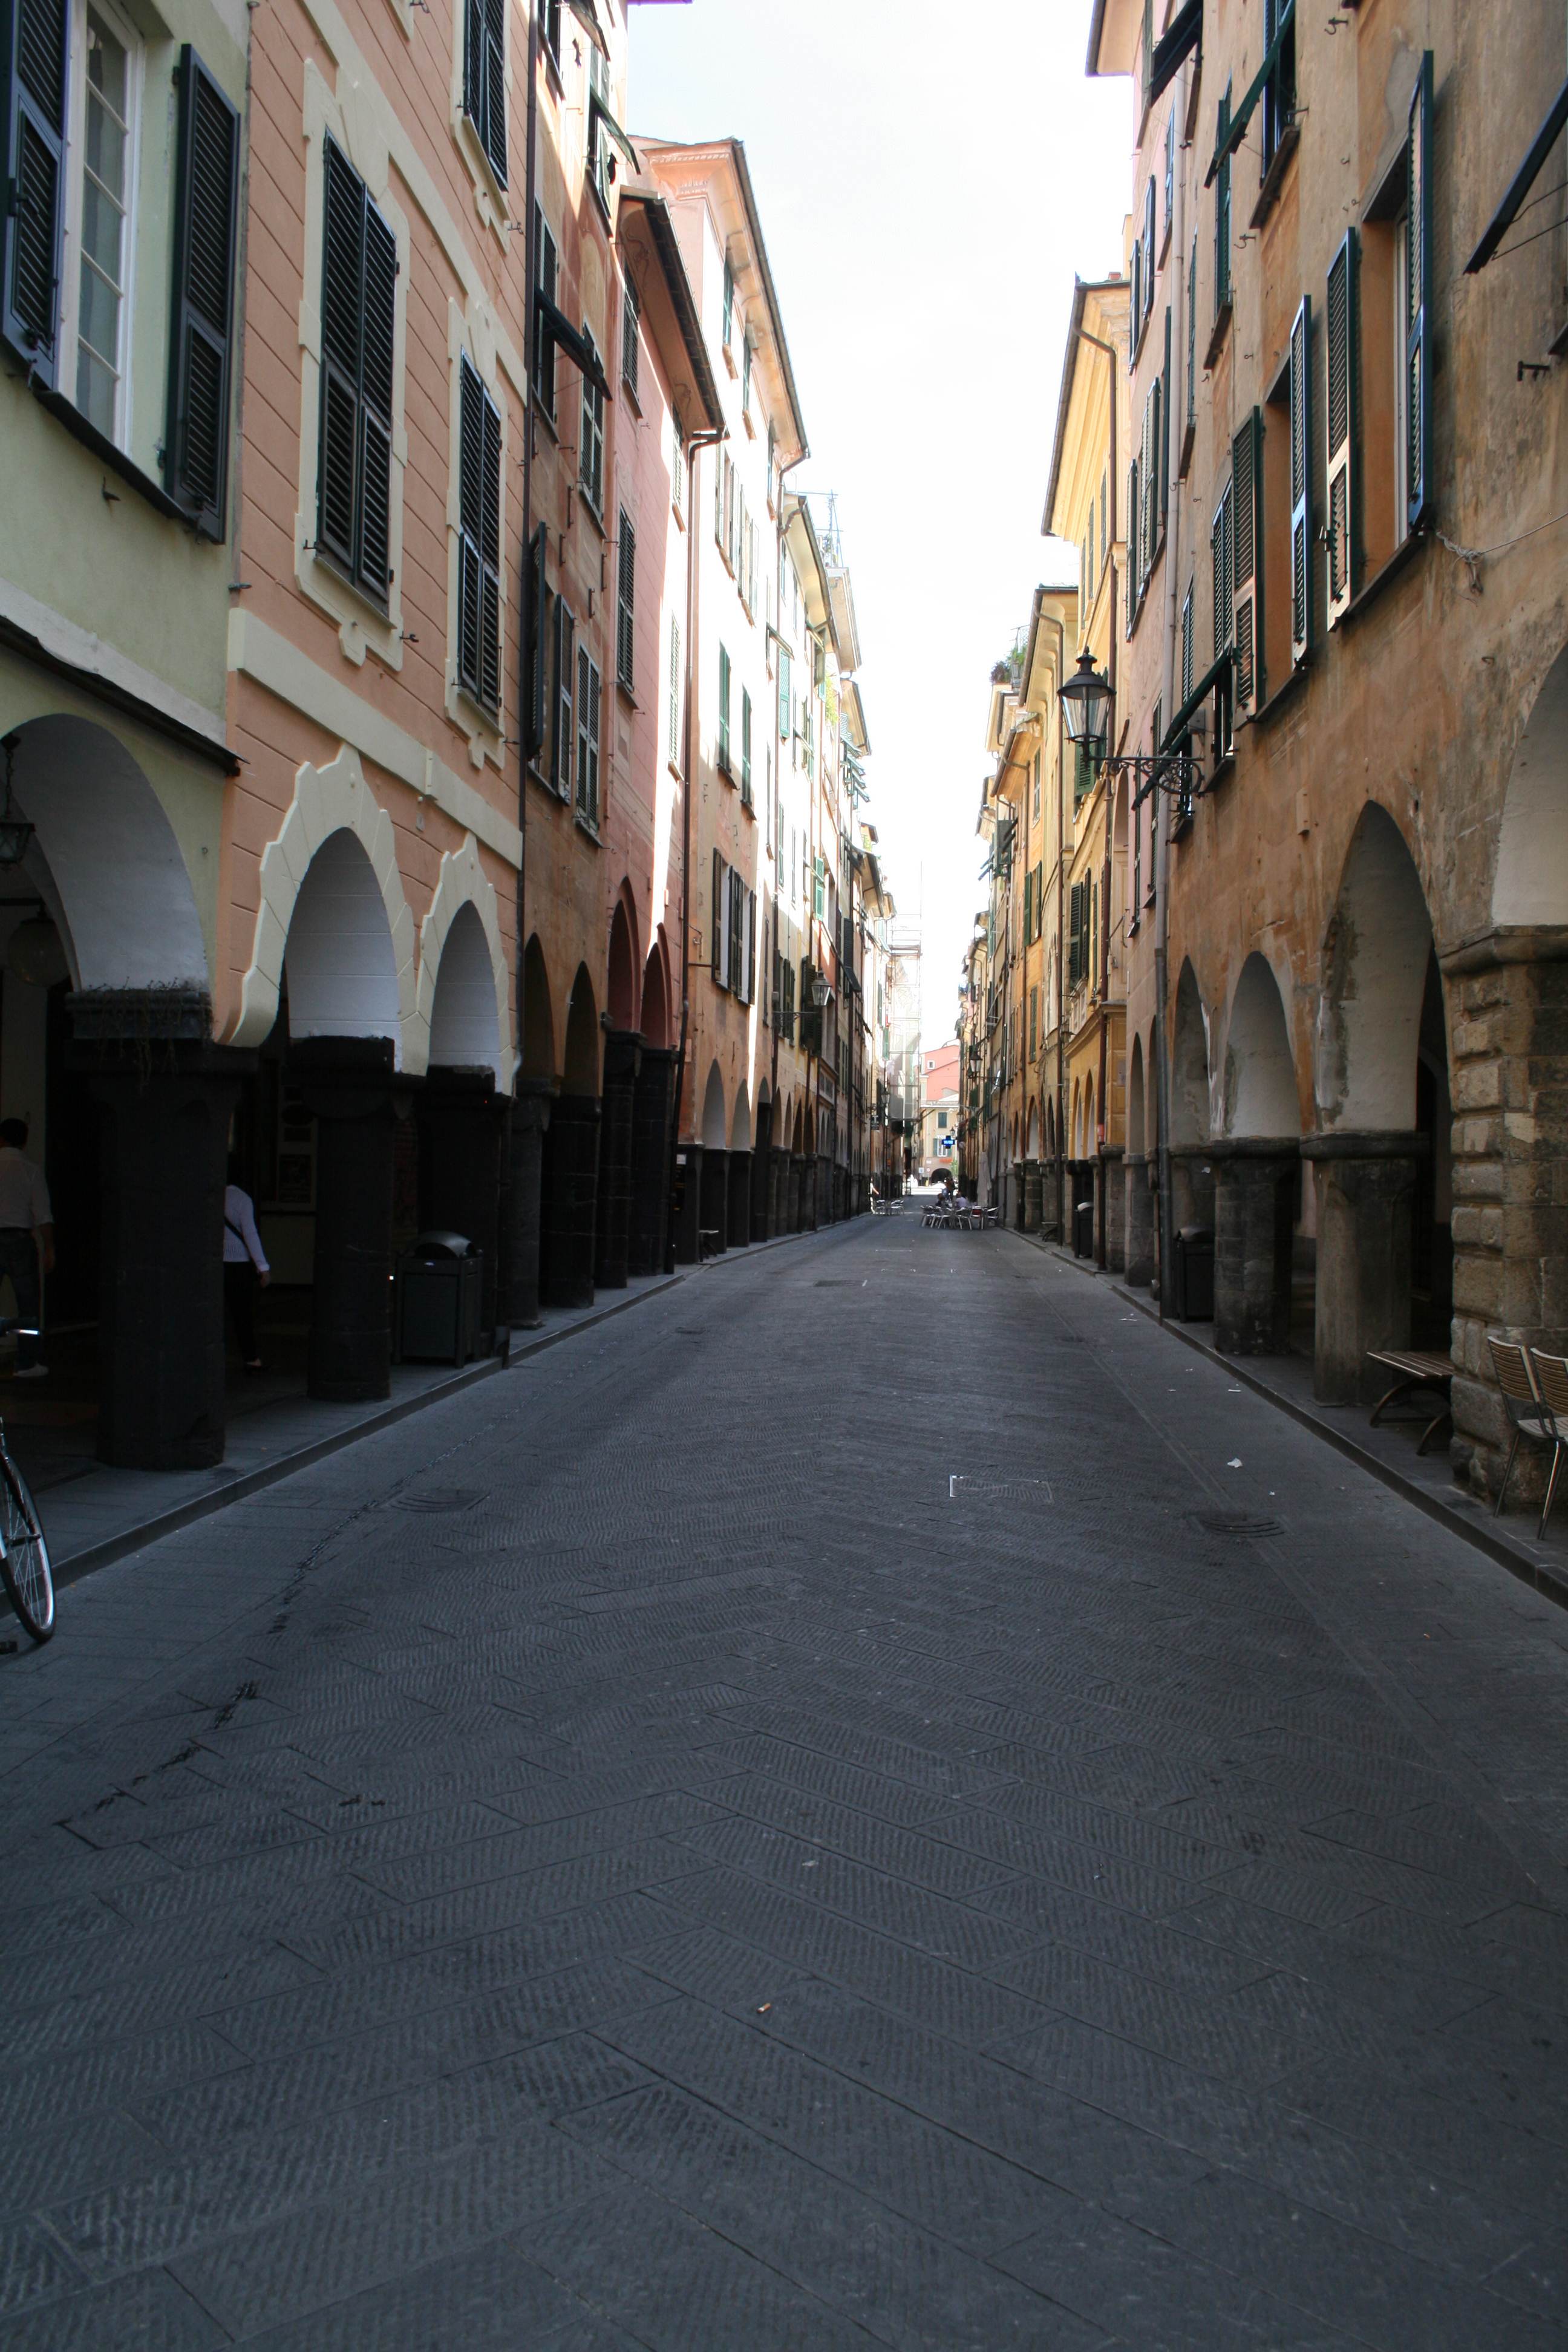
<point x="821" y="989"/>
<point x="1086" y="698"/>
<point x="1086" y="705"/>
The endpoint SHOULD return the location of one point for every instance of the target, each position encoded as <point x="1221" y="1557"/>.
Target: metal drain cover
<point x="439" y="1499"/>
<point x="1236" y="1523"/>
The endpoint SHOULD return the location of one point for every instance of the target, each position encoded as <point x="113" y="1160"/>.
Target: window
<point x="1104" y="486"/>
<point x="1222" y="215"/>
<point x="1417" y="287"/>
<point x="1033" y="1039"/>
<point x="544" y="266"/>
<point x="478" y="540"/>
<point x="1170" y="170"/>
<point x="746" y="378"/>
<point x="591" y="438"/>
<point x="1301" y="482"/>
<point x="560" y="732"/>
<point x="625" y="605"/>
<point x="1342" y="317"/>
<point x="1247" y="562"/>
<point x="1279" y="87"/>
<point x="601" y="154"/>
<point x="676" y="464"/>
<point x="631" y="315"/>
<point x="1187" y="645"/>
<point x="359" y="282"/>
<point x="729" y="326"/>
<point x="787" y="691"/>
<point x="675" y="695"/>
<point x="1221" y="541"/>
<point x="590" y="704"/>
<point x="108" y="64"/>
<point x="818" y="888"/>
<point x="196" y="446"/>
<point x="746" y="747"/>
<point x="484" y="77"/>
<point x="550" y="28"/>
<point x="1134" y="529"/>
<point x="1193" y="336"/>
<point x="723" y="711"/>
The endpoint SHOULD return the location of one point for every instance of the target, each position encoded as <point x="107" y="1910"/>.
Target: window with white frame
<point x="590" y="439"/>
<point x="590" y="705"/>
<point x="106" y="89"/>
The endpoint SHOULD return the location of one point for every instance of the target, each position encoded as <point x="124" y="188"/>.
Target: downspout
<point x="1113" y="358"/>
<point x="1161" y="844"/>
<point x="699" y="442"/>
<point x="525" y="602"/>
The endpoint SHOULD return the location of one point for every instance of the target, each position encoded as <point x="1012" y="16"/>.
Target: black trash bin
<point x="1083" y="1229"/>
<point x="438" y="1286"/>
<point x="1193" y="1288"/>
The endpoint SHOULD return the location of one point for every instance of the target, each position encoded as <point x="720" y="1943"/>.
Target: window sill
<point x="1404" y="554"/>
<point x="746" y="421"/>
<point x="594" y="515"/>
<point x="487" y="718"/>
<point x="109" y="452"/>
<point x="673" y="771"/>
<point x="552" y="68"/>
<point x="586" y="825"/>
<point x="1189" y="436"/>
<point x="629" y="388"/>
<point x="677" y="516"/>
<point x="377" y="605"/>
<point x="730" y="361"/>
<point x="1273" y="179"/>
<point x="626" y="696"/>
<point x="1223" y="770"/>
<point x="545" y="417"/>
<point x="1221" y="330"/>
<point x="1283" y="697"/>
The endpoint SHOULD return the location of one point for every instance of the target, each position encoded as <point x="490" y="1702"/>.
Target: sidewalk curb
<point x="74" y="1566"/>
<point x="1482" y="1536"/>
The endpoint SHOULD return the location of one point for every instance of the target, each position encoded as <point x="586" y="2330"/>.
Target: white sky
<point x="927" y="178"/>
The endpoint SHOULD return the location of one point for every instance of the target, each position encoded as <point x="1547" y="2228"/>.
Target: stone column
<point x="1254" y="1199"/>
<point x="569" y="1195"/>
<point x="1365" y="1187"/>
<point x="796" y="1222"/>
<point x="1191" y="1185"/>
<point x="347" y="1084"/>
<point x="164" y="1109"/>
<point x="1140" y="1202"/>
<point x="1033" y="1192"/>
<point x="1508" y="1025"/>
<point x="516" y="1304"/>
<point x="612" y="1207"/>
<point x="1112" y="1208"/>
<point x="648" y="1231"/>
<point x="686" y="1205"/>
<point x="761" y="1163"/>
<point x="738" y="1230"/>
<point x="715" y="1217"/>
<point x="462" y="1116"/>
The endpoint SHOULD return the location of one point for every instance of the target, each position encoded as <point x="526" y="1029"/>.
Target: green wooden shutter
<point x="32" y="181"/>
<point x="675" y="694"/>
<point x="1222" y="213"/>
<point x="195" y="453"/>
<point x="750" y="946"/>
<point x="1302" y="481"/>
<point x="745" y="746"/>
<point x="377" y="349"/>
<point x="1187" y="647"/>
<point x="1418" y="300"/>
<point x="494" y="128"/>
<point x="1148" y="249"/>
<point x="1342" y="471"/>
<point x="717" y="941"/>
<point x="343" y="304"/>
<point x="1134" y="529"/>
<point x="626" y="602"/>
<point x="785" y="692"/>
<point x="724" y="710"/>
<point x="490" y="559"/>
<point x="535" y="666"/>
<point x="590" y="703"/>
<point x="1247" y="592"/>
<point x="1192" y="337"/>
<point x="560" y="736"/>
<point x="1164" y="453"/>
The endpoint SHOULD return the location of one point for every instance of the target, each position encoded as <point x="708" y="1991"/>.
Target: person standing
<point x="27" y="1241"/>
<point x="245" y="1269"/>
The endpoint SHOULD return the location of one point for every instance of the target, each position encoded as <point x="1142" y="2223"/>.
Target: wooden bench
<point x="1415" y="1369"/>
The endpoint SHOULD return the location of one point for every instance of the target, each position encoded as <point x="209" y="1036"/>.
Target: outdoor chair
<point x="1531" y="1418"/>
<point x="1551" y="1383"/>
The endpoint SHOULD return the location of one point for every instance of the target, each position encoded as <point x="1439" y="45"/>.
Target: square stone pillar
<point x="647" y="1230"/>
<point x="463" y="1119"/>
<point x="568" y="1204"/>
<point x="517" y="1302"/>
<point x="686" y="1202"/>
<point x="715" y="1195"/>
<point x="738" y="1232"/>
<point x="1254" y="1199"/>
<point x="1113" y="1208"/>
<point x="1366" y="1190"/>
<point x="612" y="1209"/>
<point x="1140" y="1200"/>
<point x="348" y="1088"/>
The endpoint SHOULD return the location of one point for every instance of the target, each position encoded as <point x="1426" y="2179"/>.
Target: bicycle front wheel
<point x="24" y="1555"/>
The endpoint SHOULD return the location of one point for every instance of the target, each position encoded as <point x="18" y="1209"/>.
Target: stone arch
<point x="1260" y="1092"/>
<point x="329" y="802"/>
<point x="1190" y="1064"/>
<point x="1136" y="1144"/>
<point x="1375" y="953"/>
<point x="1091" y="1141"/>
<point x="111" y="870"/>
<point x="338" y="955"/>
<point x="797" y="1129"/>
<point x="622" y="981"/>
<point x="580" y="1065"/>
<point x="715" y="1125"/>
<point x="1032" y="1140"/>
<point x="538" y="1059"/>
<point x="741" y="1120"/>
<point x="655" y="994"/>
<point x="462" y="1004"/>
<point x="1530" y="878"/>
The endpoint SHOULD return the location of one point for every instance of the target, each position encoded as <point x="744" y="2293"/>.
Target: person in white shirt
<point x="27" y="1241"/>
<point x="245" y="1269"/>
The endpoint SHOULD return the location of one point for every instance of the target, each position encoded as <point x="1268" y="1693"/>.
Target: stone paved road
<point x="789" y="1822"/>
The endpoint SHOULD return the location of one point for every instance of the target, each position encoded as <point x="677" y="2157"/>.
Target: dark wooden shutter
<point x="195" y="455"/>
<point x="1419" y="299"/>
<point x="1192" y="337"/>
<point x="1221" y="214"/>
<point x="535" y="665"/>
<point x="342" y="301"/>
<point x="626" y="603"/>
<point x="750" y="946"/>
<point x="718" y="943"/>
<point x="723" y="711"/>
<point x="1302" y="481"/>
<point x="32" y="184"/>
<point x="745" y="746"/>
<point x="494" y="124"/>
<point x="474" y="62"/>
<point x="489" y="552"/>
<point x="565" y="633"/>
<point x="378" y="349"/>
<point x="1134" y="528"/>
<point x="1247" y="593"/>
<point x="1220" y="551"/>
<point x="1148" y="248"/>
<point x="1342" y="425"/>
<point x="470" y="474"/>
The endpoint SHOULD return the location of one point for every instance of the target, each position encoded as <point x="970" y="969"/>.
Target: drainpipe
<point x="1061" y="972"/>
<point x="1160" y="844"/>
<point x="525" y="601"/>
<point x="1113" y="360"/>
<point x="699" y="442"/>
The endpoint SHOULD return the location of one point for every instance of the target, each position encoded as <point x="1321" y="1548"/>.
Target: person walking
<point x="26" y="1241"/>
<point x="245" y="1269"/>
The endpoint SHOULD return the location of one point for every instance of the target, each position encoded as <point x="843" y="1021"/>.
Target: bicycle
<point x="23" y="1549"/>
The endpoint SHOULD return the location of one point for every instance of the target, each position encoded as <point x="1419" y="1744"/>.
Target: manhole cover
<point x="836" y="1283"/>
<point x="1236" y="1523"/>
<point x="439" y="1499"/>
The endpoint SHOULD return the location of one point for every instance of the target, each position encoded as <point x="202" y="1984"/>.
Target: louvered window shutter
<point x="1148" y="248"/>
<point x="724" y="710"/>
<point x="745" y="746"/>
<point x="626" y="603"/>
<point x="1220" y="588"/>
<point x="590" y="699"/>
<point x="785" y="692"/>
<point x="1342" y="425"/>
<point x="1221" y="214"/>
<point x="1165" y="429"/>
<point x="750" y="945"/>
<point x="675" y="694"/>
<point x="1134" y="527"/>
<point x="560" y="743"/>
<point x="1135" y="311"/>
<point x="343" y="298"/>
<point x="1301" y="482"/>
<point x="737" y="955"/>
<point x="536" y="668"/>
<point x="378" y="346"/>
<point x="470" y="472"/>
<point x="195" y="456"/>
<point x="489" y="555"/>
<point x="1419" y="299"/>
<point x="32" y="182"/>
<point x="1171" y="171"/>
<point x="544" y="270"/>
<point x="719" y="940"/>
<point x="1193" y="336"/>
<point x="484" y="79"/>
<point x="1247" y="475"/>
<point x="1187" y="647"/>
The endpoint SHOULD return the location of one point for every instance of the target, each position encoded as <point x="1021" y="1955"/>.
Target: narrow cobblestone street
<point x="1056" y="1859"/>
